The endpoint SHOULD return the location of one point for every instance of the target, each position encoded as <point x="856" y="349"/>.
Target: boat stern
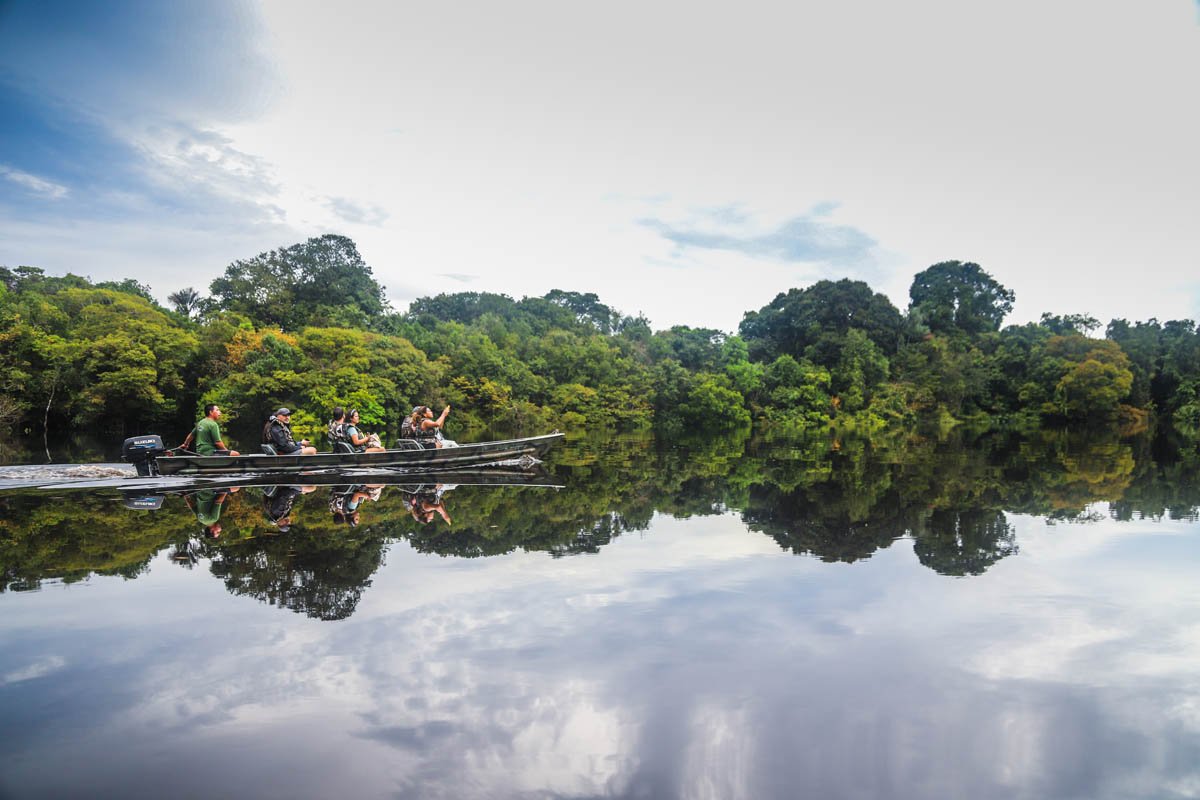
<point x="141" y="451"/>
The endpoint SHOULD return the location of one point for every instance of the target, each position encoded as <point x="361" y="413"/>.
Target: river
<point x="910" y="618"/>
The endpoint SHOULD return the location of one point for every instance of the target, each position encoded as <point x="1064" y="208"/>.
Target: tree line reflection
<point x="314" y="548"/>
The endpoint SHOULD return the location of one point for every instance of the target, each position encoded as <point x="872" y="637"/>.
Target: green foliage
<point x="319" y="282"/>
<point x="694" y="348"/>
<point x="711" y="405"/>
<point x="809" y="323"/>
<point x="958" y="296"/>
<point x="1094" y="376"/>
<point x="797" y="394"/>
<point x="834" y="497"/>
<point x="307" y="326"/>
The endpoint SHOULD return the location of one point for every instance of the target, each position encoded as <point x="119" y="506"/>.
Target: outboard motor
<point x="142" y="502"/>
<point x="141" y="452"/>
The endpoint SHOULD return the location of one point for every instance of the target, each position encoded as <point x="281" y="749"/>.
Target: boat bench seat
<point x="269" y="449"/>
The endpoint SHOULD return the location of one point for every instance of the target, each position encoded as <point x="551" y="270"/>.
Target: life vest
<point x="358" y="448"/>
<point x="282" y="440"/>
<point x="408" y="431"/>
<point x="337" y="430"/>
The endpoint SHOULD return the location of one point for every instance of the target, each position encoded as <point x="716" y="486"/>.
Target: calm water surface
<point x="912" y="620"/>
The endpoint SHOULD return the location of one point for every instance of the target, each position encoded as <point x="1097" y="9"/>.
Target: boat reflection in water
<point x="312" y="544"/>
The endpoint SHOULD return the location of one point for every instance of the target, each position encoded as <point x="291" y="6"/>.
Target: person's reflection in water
<point x="277" y="504"/>
<point x="344" y="502"/>
<point x="425" y="503"/>
<point x="207" y="505"/>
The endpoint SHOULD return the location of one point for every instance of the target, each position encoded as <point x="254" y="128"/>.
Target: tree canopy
<point x="309" y="327"/>
<point x="318" y="282"/>
<point x="958" y="296"/>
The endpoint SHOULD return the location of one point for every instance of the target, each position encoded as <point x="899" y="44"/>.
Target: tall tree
<point x="185" y="301"/>
<point x="321" y="281"/>
<point x="810" y="323"/>
<point x="958" y="296"/>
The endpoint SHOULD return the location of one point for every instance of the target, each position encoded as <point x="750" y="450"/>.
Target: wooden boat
<point x="151" y="458"/>
<point x="147" y="494"/>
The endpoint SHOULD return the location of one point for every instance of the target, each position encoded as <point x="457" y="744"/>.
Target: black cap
<point x="283" y="412"/>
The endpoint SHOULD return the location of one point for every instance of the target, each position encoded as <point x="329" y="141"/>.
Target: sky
<point x="684" y="161"/>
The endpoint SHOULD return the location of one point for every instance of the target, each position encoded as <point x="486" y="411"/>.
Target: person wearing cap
<point x="278" y="505"/>
<point x="278" y="432"/>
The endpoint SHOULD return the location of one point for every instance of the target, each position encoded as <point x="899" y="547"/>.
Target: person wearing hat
<point x="278" y="432"/>
<point x="277" y="505"/>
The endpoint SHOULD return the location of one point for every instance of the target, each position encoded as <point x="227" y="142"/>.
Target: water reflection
<point x="835" y="499"/>
<point x="699" y="658"/>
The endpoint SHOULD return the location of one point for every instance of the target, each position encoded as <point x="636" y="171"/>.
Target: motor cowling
<point x="143" y="502"/>
<point x="141" y="452"/>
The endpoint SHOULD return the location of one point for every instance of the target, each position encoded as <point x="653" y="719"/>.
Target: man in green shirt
<point x="207" y="505"/>
<point x="207" y="435"/>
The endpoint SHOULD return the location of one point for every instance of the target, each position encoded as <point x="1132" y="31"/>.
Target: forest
<point x="309" y="326"/>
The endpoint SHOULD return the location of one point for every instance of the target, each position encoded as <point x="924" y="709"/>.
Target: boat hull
<point x="445" y="458"/>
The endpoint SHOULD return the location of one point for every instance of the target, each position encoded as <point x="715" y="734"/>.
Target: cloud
<point x="357" y="213"/>
<point x="461" y="277"/>
<point x="38" y="669"/>
<point x="109" y="125"/>
<point x="802" y="239"/>
<point x="69" y="166"/>
<point x="32" y="183"/>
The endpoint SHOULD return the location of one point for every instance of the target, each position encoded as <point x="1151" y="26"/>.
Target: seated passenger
<point x="344" y="501"/>
<point x="360" y="442"/>
<point x="426" y="502"/>
<point x="423" y="427"/>
<point x="207" y="435"/>
<point x="277" y="504"/>
<point x="337" y="426"/>
<point x="278" y="432"/>
<point x="207" y="505"/>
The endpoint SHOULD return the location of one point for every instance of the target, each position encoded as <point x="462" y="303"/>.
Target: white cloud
<point x="1050" y="144"/>
<point x="521" y="145"/>
<point x="38" y="669"/>
<point x="32" y="183"/>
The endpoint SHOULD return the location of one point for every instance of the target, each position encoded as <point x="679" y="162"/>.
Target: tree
<point x="1090" y="377"/>
<point x="1142" y="342"/>
<point x="464" y="307"/>
<point x="958" y="296"/>
<point x="130" y="286"/>
<point x="587" y="309"/>
<point x="964" y="542"/>
<point x="185" y="301"/>
<point x="810" y="323"/>
<point x="694" y="348"/>
<point x="860" y="368"/>
<point x="796" y="393"/>
<point x="323" y="280"/>
<point x="1083" y="324"/>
